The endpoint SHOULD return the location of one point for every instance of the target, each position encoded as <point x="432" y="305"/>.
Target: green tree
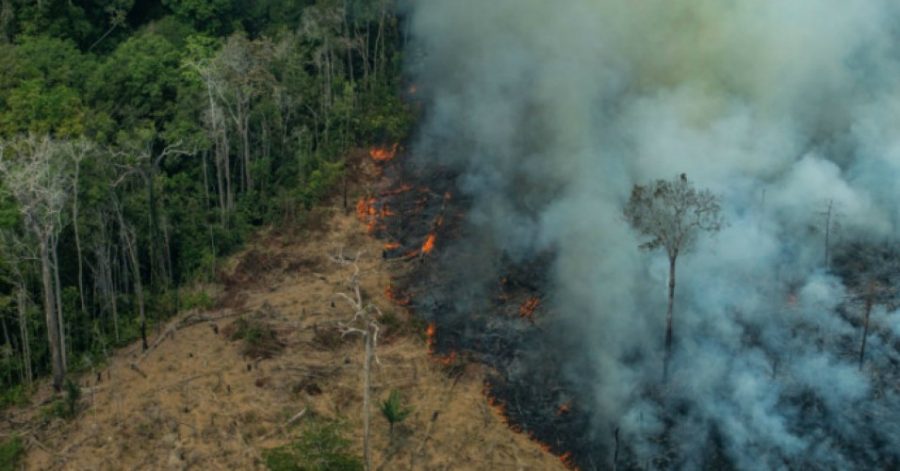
<point x="394" y="410"/>
<point x="672" y="213"/>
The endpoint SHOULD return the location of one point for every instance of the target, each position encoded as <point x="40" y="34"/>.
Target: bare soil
<point x="198" y="401"/>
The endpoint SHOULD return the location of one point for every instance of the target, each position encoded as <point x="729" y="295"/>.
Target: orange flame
<point x="396" y="191"/>
<point x="500" y="408"/>
<point x="391" y="245"/>
<point x="526" y="310"/>
<point x="428" y="246"/>
<point x="383" y="154"/>
<point x="566" y="459"/>
<point x="564" y="408"/>
<point x="446" y="360"/>
<point x="370" y="215"/>
<point x="430" y="332"/>
<point x="366" y="212"/>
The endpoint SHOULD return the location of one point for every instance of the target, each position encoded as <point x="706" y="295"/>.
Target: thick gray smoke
<point x="552" y="110"/>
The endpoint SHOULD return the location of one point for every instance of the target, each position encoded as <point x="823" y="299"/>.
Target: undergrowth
<point x="320" y="447"/>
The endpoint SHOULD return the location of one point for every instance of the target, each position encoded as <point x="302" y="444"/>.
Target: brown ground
<point x="203" y="405"/>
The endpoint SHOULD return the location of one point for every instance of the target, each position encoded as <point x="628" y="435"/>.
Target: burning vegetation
<point x="383" y="154"/>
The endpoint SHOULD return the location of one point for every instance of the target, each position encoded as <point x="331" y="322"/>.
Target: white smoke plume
<point x="552" y="110"/>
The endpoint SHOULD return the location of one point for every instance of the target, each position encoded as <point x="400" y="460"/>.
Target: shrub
<point x="14" y="396"/>
<point x="66" y="407"/>
<point x="259" y="339"/>
<point x="321" y="447"/>
<point x="11" y="452"/>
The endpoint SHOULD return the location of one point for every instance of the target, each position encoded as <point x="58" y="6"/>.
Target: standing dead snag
<point x="364" y="322"/>
<point x="672" y="213"/>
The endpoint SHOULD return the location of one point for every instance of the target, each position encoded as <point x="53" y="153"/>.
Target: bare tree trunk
<point x="229" y="192"/>
<point x="59" y="308"/>
<point x="8" y="353"/>
<point x="245" y="147"/>
<point x="668" y="353"/>
<point x="367" y="380"/>
<point x="114" y="302"/>
<point x="57" y="365"/>
<point x="138" y="290"/>
<point x="828" y="234"/>
<point x="615" y="463"/>
<point x="21" y="307"/>
<point x="78" y="237"/>
<point x="220" y="181"/>
<point x="870" y="295"/>
<point x="379" y="44"/>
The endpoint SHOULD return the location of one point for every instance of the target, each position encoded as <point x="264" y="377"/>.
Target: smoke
<point x="551" y="111"/>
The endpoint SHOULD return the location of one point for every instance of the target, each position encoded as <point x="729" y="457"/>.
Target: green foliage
<point x="198" y="299"/>
<point x="394" y="410"/>
<point x="138" y="81"/>
<point x="11" y="452"/>
<point x="212" y="16"/>
<point x="321" y="447"/>
<point x="258" y="105"/>
<point x="17" y="395"/>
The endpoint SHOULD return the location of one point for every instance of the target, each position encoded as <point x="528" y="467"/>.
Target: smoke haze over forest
<point x="551" y="111"/>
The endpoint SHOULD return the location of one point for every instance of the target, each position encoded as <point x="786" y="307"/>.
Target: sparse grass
<point x="11" y="452"/>
<point x="259" y="339"/>
<point x="320" y="447"/>
<point x="327" y="338"/>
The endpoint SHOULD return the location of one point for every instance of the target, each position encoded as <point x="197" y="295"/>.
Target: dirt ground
<point x="197" y="402"/>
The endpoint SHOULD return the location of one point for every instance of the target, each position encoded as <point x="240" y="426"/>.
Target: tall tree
<point x="672" y="213"/>
<point x="35" y="175"/>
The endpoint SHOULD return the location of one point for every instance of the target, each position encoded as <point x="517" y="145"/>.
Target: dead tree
<point x="870" y="274"/>
<point x="365" y="323"/>
<point x="79" y="152"/>
<point x="34" y="175"/>
<point x="829" y="215"/>
<point x="673" y="214"/>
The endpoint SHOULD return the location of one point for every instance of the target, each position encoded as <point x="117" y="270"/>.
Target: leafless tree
<point x="365" y="323"/>
<point x="34" y="174"/>
<point x="830" y="225"/>
<point x="78" y="152"/>
<point x="672" y="213"/>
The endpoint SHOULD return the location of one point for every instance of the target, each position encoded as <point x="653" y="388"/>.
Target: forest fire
<point x="383" y="154"/>
<point x="371" y="215"/>
<point x="498" y="406"/>
<point x="396" y="191"/>
<point x="526" y="310"/>
<point x="446" y="360"/>
<point x="430" y="332"/>
<point x="428" y="246"/>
